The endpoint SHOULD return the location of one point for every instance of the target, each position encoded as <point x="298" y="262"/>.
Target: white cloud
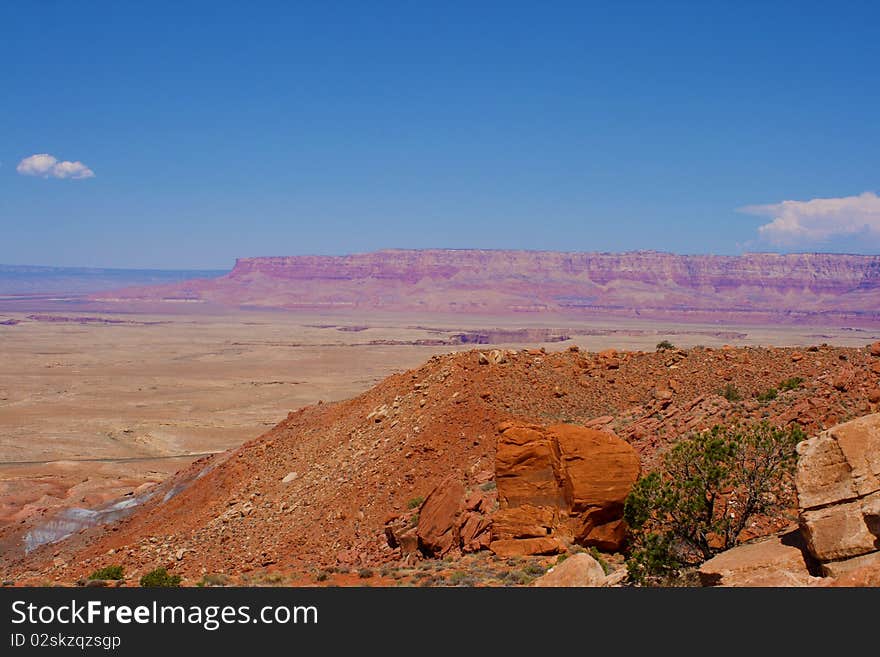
<point x="45" y="165"/>
<point x="820" y="219"/>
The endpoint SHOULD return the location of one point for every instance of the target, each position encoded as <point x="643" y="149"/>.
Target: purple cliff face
<point x="798" y="287"/>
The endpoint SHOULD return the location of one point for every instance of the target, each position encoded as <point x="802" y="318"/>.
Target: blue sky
<point x="216" y="130"/>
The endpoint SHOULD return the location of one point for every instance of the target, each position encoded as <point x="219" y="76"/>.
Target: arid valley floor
<point x="94" y="407"/>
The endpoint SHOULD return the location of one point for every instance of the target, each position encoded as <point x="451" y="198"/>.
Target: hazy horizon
<point x="223" y="270"/>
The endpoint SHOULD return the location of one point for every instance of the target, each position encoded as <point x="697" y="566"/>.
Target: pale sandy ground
<point x="91" y="411"/>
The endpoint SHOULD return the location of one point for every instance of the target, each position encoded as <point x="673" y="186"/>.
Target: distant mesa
<point x="788" y="288"/>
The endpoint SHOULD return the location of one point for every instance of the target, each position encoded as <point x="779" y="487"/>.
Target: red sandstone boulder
<point x="838" y="484"/>
<point x="474" y="531"/>
<point x="524" y="471"/>
<point x="845" y="380"/>
<point x="563" y="481"/>
<point x="438" y="528"/>
<point x="525" y="521"/>
<point x="524" y="547"/>
<point x="598" y="470"/>
<point x="874" y="348"/>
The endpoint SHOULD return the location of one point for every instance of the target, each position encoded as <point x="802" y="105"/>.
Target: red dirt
<point x="361" y="460"/>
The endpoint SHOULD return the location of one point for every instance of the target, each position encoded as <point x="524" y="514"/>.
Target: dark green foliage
<point x="792" y="383"/>
<point x="665" y="345"/>
<point x="653" y="557"/>
<point x="731" y="393"/>
<point x="159" y="578"/>
<point x="415" y="502"/>
<point x="108" y="572"/>
<point x="768" y="395"/>
<point x="710" y="485"/>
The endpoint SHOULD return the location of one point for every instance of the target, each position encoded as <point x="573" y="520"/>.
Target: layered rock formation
<point x="838" y="483"/>
<point x="776" y="561"/>
<point x="796" y="287"/>
<point x="550" y="487"/>
<point x="560" y="484"/>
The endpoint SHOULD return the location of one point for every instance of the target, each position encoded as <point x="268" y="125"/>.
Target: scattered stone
<point x="497" y="357"/>
<point x="579" y="570"/>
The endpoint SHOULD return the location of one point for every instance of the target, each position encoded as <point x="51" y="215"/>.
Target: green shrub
<point x="365" y="573"/>
<point x="159" y="578"/>
<point x="108" y="572"/>
<point x="415" y="502"/>
<point x="731" y="393"/>
<point x="652" y="558"/>
<point x="461" y="578"/>
<point x="594" y="552"/>
<point x="535" y="569"/>
<point x="517" y="577"/>
<point x="709" y="486"/>
<point x="768" y="395"/>
<point x="792" y="383"/>
<point x="665" y="345"/>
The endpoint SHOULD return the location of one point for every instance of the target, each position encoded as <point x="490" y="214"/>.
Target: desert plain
<point x="94" y="406"/>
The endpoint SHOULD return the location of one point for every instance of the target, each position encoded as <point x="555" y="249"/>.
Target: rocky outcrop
<point x="597" y="470"/>
<point x="578" y="570"/>
<point x="565" y="482"/>
<point x="838" y="483"/>
<point x="449" y="521"/>
<point x="770" y="562"/>
<point x="789" y="287"/>
<point x="523" y="547"/>
<point x="864" y="571"/>
<point x="438" y="518"/>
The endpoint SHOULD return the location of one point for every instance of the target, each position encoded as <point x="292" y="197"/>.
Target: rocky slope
<point x="756" y="287"/>
<point x="357" y="484"/>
